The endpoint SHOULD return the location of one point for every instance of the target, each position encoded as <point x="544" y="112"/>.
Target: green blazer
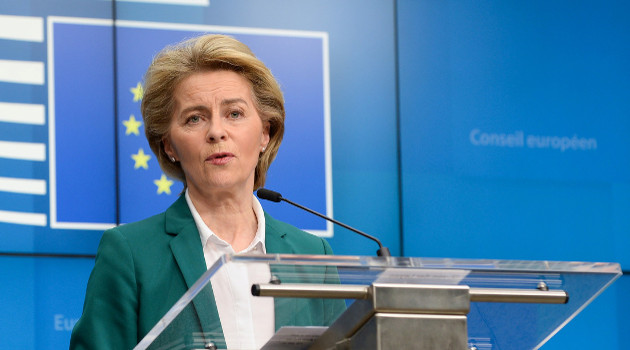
<point x="143" y="268"/>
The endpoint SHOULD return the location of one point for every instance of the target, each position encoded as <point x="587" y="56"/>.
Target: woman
<point x="214" y="117"/>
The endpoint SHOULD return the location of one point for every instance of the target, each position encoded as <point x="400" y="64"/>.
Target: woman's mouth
<point x="220" y="158"/>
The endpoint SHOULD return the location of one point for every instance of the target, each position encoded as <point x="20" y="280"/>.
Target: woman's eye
<point x="235" y="115"/>
<point x="193" y="119"/>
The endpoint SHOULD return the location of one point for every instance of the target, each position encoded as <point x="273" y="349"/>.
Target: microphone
<point x="274" y="196"/>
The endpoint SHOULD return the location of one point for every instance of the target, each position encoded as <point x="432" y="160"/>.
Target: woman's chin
<point x="223" y="184"/>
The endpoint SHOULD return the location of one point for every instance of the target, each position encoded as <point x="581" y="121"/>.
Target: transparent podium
<point x="356" y="302"/>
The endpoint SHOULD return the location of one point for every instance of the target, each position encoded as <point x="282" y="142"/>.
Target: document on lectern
<point x="294" y="338"/>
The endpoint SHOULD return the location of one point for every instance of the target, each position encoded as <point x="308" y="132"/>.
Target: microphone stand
<point x="277" y="197"/>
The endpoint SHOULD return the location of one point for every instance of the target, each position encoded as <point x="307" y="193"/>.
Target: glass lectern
<point x="356" y="302"/>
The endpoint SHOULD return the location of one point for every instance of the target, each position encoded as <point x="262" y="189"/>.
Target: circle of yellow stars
<point x="141" y="159"/>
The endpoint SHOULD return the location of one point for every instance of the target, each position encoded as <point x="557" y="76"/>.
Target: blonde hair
<point x="203" y="53"/>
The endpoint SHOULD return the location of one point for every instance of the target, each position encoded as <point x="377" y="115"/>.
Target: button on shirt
<point x="248" y="322"/>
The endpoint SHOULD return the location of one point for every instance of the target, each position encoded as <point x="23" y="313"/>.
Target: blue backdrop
<point x="514" y="124"/>
<point x="456" y="129"/>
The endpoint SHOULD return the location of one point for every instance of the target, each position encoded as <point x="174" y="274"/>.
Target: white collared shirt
<point x="248" y="322"/>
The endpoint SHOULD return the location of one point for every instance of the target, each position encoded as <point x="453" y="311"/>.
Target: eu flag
<point x="100" y="150"/>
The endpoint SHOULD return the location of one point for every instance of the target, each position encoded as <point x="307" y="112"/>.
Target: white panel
<point x="173" y="2"/>
<point x="17" y="185"/>
<point x="23" y="150"/>
<point x="22" y="113"/>
<point x="16" y="217"/>
<point x="24" y="72"/>
<point x="22" y="28"/>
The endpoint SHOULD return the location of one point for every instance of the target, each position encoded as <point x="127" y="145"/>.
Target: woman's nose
<point x="216" y="131"/>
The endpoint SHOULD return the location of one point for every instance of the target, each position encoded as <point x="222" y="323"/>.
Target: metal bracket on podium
<point x="404" y="316"/>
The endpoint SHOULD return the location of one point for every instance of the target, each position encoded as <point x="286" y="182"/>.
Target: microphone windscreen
<point x="269" y="195"/>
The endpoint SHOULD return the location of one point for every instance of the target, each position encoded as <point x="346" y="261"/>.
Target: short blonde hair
<point x="203" y="53"/>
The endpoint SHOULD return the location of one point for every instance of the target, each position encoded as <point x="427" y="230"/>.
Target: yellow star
<point x="141" y="159"/>
<point x="132" y="125"/>
<point x="137" y="92"/>
<point x="163" y="185"/>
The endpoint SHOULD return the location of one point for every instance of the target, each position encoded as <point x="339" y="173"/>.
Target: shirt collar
<point x="206" y="233"/>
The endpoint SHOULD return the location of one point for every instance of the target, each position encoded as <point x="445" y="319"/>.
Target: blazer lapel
<point x="286" y="309"/>
<point x="188" y="253"/>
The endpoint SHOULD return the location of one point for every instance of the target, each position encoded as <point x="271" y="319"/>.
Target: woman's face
<point x="216" y="133"/>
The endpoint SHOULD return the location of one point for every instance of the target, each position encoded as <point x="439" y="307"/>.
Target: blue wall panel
<point x="42" y="299"/>
<point x="513" y="146"/>
<point x="513" y="120"/>
<point x="17" y="326"/>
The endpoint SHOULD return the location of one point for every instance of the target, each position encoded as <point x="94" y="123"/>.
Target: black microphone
<point x="273" y="196"/>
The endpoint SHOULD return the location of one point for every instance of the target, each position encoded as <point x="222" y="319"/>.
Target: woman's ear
<point x="168" y="149"/>
<point x="265" y="135"/>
